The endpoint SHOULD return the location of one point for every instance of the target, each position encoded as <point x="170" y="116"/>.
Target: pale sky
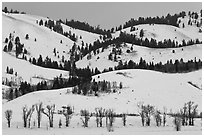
<point x="105" y="14"/>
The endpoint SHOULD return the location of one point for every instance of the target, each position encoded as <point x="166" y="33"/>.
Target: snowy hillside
<point x="83" y="87"/>
<point x="148" y="54"/>
<point x="46" y="40"/>
<point x="28" y="71"/>
<point x="169" y="90"/>
<point x="161" y="32"/>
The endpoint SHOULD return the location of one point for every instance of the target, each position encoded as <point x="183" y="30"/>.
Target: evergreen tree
<point x="6" y="40"/>
<point x="27" y="36"/>
<point x="11" y="94"/>
<point x="5" y="10"/>
<point x="40" y="61"/>
<point x="141" y="33"/>
<point x="5" y="48"/>
<point x="41" y="22"/>
<point x="17" y="40"/>
<point x="10" y="46"/>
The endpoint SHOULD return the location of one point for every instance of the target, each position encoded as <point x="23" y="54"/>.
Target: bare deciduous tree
<point x="27" y="113"/>
<point x="145" y="112"/>
<point x="177" y="123"/>
<point x="157" y="118"/>
<point x="8" y="115"/>
<point x="49" y="113"/>
<point x="30" y="115"/>
<point x="110" y="119"/>
<point x="164" y="116"/>
<point x="86" y="115"/>
<point x="67" y="112"/>
<point x="39" y="112"/>
<point x="124" y="116"/>
<point x="100" y="113"/>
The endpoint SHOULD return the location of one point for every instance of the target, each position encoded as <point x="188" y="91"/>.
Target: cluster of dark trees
<point x="25" y="88"/>
<point x="82" y="85"/>
<point x="168" y="19"/>
<point x="19" y="48"/>
<point x="5" y="10"/>
<point x="47" y="63"/>
<point x="194" y="15"/>
<point x="86" y="27"/>
<point x="133" y="39"/>
<point x="94" y="88"/>
<point x="57" y="27"/>
<point x="188" y="113"/>
<point x="194" y="19"/>
<point x="10" y="71"/>
<point x="168" y="67"/>
<point x="51" y="24"/>
<point x="68" y="66"/>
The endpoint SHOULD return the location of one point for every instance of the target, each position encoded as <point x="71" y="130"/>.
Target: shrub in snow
<point x="8" y="115"/>
<point x="49" y="112"/>
<point x="85" y="117"/>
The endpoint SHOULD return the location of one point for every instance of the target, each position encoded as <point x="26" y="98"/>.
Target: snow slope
<point x="159" y="89"/>
<point x="26" y="70"/>
<point x="47" y="40"/>
<point x="148" y="54"/>
<point x="161" y="31"/>
<point x="87" y="37"/>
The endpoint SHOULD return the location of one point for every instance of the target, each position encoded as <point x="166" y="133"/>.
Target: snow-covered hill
<point x="46" y="40"/>
<point x="148" y="54"/>
<point x="28" y="71"/>
<point x="159" y="89"/>
<point x="161" y="32"/>
<point x="139" y="86"/>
